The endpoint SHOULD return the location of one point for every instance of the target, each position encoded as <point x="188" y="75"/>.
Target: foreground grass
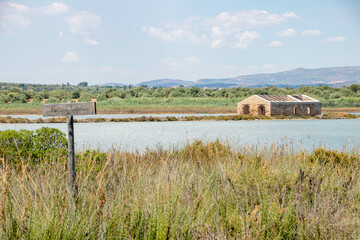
<point x="205" y="191"/>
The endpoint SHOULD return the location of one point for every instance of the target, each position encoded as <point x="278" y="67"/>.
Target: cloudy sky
<point x="130" y="41"/>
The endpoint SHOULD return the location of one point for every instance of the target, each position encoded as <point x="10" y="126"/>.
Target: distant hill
<point x="332" y="76"/>
<point x="335" y="76"/>
<point x="112" y="85"/>
<point x="166" y="83"/>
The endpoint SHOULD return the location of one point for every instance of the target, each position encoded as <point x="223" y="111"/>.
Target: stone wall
<point x="295" y="108"/>
<point x="253" y="103"/>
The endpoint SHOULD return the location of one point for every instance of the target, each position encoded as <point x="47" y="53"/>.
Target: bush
<point x="52" y="100"/>
<point x="19" y="98"/>
<point x="4" y="99"/>
<point x="323" y="156"/>
<point x="32" y="146"/>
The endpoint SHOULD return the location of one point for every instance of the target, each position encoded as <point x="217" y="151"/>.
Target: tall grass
<point x="205" y="191"/>
<point x="177" y="104"/>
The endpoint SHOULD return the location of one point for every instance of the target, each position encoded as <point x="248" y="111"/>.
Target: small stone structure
<point x="271" y="105"/>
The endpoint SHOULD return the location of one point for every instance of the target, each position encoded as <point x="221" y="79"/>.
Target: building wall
<point x="254" y="103"/>
<point x="288" y="108"/>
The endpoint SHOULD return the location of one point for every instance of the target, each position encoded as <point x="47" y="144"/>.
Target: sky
<point x="132" y="41"/>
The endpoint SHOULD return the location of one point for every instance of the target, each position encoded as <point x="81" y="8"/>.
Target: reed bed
<point x="200" y="191"/>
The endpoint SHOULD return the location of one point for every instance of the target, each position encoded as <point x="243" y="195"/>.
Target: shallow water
<point x="131" y="136"/>
<point x="33" y="117"/>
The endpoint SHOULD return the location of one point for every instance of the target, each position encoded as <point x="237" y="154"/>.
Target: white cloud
<point x="70" y="57"/>
<point x="287" y="33"/>
<point x="14" y="21"/>
<point x="335" y="39"/>
<point x="82" y="23"/>
<point x="225" y="29"/>
<point x="52" y="9"/>
<point x="310" y="32"/>
<point x="13" y="15"/>
<point x="275" y="43"/>
<point x="268" y="66"/>
<point x="290" y="15"/>
<point x="91" y="42"/>
<point x="217" y="43"/>
<point x="240" y="19"/>
<point x="193" y="60"/>
<point x="245" y="39"/>
<point x="14" y="6"/>
<point x="174" y="36"/>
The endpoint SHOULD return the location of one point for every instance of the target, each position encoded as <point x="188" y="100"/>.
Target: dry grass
<point x="335" y="110"/>
<point x="205" y="191"/>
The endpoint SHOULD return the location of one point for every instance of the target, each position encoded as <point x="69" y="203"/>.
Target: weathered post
<point x="68" y="110"/>
<point x="71" y="161"/>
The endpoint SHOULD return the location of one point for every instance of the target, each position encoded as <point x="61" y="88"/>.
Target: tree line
<point x="24" y="93"/>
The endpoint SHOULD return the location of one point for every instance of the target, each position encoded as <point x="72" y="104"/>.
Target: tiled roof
<point x="287" y="98"/>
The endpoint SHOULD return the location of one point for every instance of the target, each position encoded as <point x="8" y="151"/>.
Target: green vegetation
<point x="129" y="99"/>
<point x="204" y="191"/>
<point x="31" y="146"/>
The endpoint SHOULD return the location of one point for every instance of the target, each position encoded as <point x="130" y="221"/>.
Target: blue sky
<point x="131" y="41"/>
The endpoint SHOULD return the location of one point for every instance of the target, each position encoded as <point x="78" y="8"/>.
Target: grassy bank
<point x="205" y="191"/>
<point x="154" y="105"/>
<point x="141" y="105"/>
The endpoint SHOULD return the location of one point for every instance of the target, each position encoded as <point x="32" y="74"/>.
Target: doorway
<point x="261" y="110"/>
<point x="246" y="110"/>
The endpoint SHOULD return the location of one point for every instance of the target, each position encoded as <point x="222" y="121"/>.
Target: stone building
<point x="271" y="105"/>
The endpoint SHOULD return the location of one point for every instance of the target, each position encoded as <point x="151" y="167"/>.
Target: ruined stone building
<point x="271" y="105"/>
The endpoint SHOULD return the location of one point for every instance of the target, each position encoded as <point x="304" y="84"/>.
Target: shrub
<point x="85" y="97"/>
<point x="19" y="98"/>
<point x="323" y="156"/>
<point x="52" y="100"/>
<point x="32" y="146"/>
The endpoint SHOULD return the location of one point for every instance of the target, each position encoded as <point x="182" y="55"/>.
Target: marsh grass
<point x="141" y="105"/>
<point x="205" y="191"/>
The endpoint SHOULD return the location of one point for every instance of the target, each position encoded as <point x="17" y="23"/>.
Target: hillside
<point x="332" y="76"/>
<point x="166" y="83"/>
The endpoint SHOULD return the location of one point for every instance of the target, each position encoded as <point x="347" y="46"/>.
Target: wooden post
<point x="71" y="161"/>
<point x="68" y="110"/>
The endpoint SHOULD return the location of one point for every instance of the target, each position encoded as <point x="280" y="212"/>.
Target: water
<point x="131" y="136"/>
<point x="33" y="117"/>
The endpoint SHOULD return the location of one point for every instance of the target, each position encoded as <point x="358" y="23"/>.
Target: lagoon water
<point x="33" y="116"/>
<point x="131" y="136"/>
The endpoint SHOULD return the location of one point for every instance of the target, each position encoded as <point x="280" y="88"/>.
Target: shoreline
<point x="341" y="115"/>
<point x="192" y="110"/>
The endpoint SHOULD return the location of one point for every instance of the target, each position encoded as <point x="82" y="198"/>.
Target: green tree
<point x="83" y="84"/>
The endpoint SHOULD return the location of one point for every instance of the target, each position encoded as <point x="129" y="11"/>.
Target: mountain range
<point x="332" y="76"/>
